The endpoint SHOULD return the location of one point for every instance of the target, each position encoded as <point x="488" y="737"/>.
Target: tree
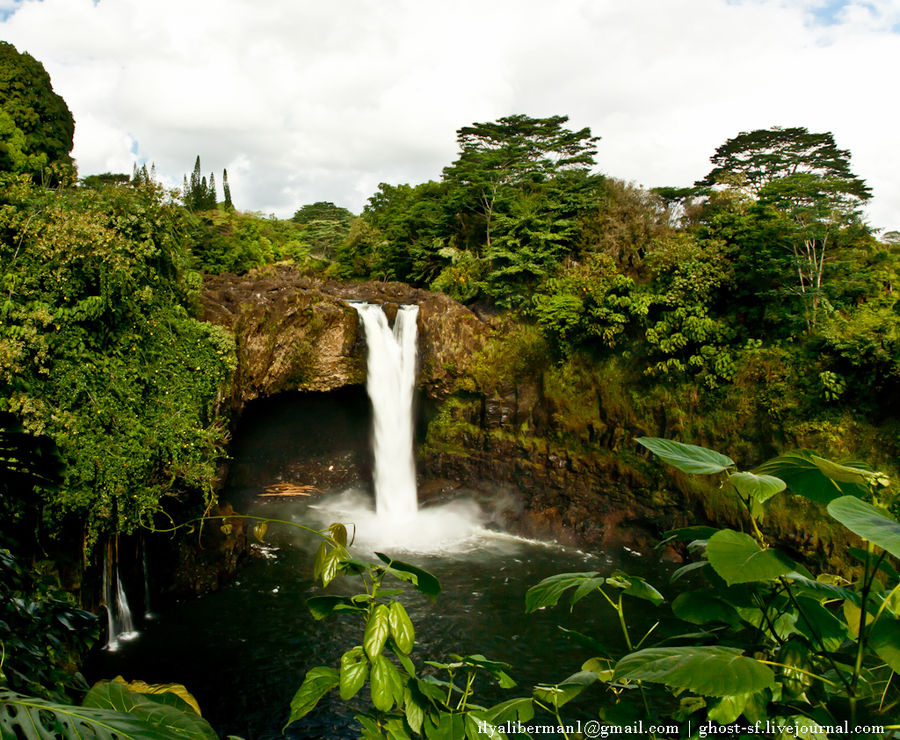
<point x="226" y="188"/>
<point x="36" y="126"/>
<point x="511" y="152"/>
<point x="323" y="210"/>
<point x="751" y="160"/>
<point x="198" y="195"/>
<point x="806" y="184"/>
<point x="819" y="210"/>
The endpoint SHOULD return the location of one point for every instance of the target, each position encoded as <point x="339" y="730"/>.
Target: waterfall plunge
<point x="397" y="523"/>
<point x="391" y="378"/>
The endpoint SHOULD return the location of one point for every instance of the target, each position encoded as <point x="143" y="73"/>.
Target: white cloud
<point x="304" y="101"/>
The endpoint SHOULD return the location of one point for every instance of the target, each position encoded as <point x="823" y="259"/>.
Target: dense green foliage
<point x="752" y="639"/>
<point x="100" y="354"/>
<point x="42" y="631"/>
<point x="36" y="126"/>
<point x="757" y="308"/>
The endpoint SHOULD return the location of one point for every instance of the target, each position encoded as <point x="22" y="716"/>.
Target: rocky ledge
<point x="297" y="333"/>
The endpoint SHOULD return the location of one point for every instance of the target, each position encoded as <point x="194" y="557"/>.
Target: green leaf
<point x="705" y="670"/>
<point x="323" y="606"/>
<point x="385" y="684"/>
<point x="548" y="591"/>
<point x="820" y="588"/>
<point x="424" y="581"/>
<point x="38" y="719"/>
<point x="395" y="729"/>
<point x="445" y="726"/>
<point x="822" y="625"/>
<point x="688" y="534"/>
<point x="689" y="568"/>
<point x="884" y="639"/>
<point x="325" y="566"/>
<point x="585" y="588"/>
<point x="687" y="458"/>
<point x="166" y="711"/>
<point x="702" y="607"/>
<point x="727" y="709"/>
<point x="413" y="709"/>
<point x="587" y="641"/>
<point x="174" y="694"/>
<point x="737" y="558"/>
<point x="318" y="682"/>
<point x="259" y="531"/>
<point x="636" y="586"/>
<point x="521" y="709"/>
<point x="377" y="630"/>
<point x="865" y="520"/>
<point x="757" y="487"/>
<point x="816" y="478"/>
<point x="407" y="664"/>
<point x="563" y="692"/>
<point x="401" y="627"/>
<point x="338" y="533"/>
<point x="354" y="672"/>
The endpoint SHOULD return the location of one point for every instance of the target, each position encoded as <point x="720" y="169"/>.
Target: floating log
<point x="285" y="490"/>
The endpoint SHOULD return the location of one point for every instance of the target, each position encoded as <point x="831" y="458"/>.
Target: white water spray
<point x="120" y="625"/>
<point x="390" y="382"/>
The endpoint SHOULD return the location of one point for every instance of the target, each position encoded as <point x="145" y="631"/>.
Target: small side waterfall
<point x="391" y="376"/>
<point x="120" y="625"/>
<point x="148" y="612"/>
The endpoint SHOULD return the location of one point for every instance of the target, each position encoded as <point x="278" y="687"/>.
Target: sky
<point x="306" y="101"/>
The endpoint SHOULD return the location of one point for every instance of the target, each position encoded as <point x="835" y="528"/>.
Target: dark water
<point x="243" y="651"/>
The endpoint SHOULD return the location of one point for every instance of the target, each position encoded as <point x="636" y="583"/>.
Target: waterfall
<point x="120" y="625"/>
<point x="390" y="381"/>
<point x="148" y="612"/>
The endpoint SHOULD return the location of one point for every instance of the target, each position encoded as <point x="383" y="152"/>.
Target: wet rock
<point x="299" y="333"/>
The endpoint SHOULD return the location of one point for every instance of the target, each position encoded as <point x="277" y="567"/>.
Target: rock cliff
<point x="300" y="333"/>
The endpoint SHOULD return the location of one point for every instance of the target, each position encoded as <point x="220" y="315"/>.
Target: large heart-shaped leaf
<point x="548" y="591"/>
<point x="757" y="487"/>
<point x="703" y="607"/>
<point x="687" y="458"/>
<point x="37" y="719"/>
<point x="737" y="558"/>
<point x="815" y="477"/>
<point x="705" y="670"/>
<point x="884" y="639"/>
<point x="868" y="522"/>
<point x="166" y="710"/>
<point x="636" y="586"/>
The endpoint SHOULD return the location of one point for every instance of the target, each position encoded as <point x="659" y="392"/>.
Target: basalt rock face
<point x="296" y="333"/>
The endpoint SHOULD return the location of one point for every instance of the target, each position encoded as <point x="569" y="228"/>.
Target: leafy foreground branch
<point x="761" y="643"/>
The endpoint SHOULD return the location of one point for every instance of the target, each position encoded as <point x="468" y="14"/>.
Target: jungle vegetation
<point x="754" y="310"/>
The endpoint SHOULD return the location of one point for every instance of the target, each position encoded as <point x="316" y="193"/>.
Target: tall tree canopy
<point x="198" y="194"/>
<point x="36" y="125"/>
<point x="753" y="159"/>
<point x="323" y="210"/>
<point x="805" y="187"/>
<point x="511" y="152"/>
